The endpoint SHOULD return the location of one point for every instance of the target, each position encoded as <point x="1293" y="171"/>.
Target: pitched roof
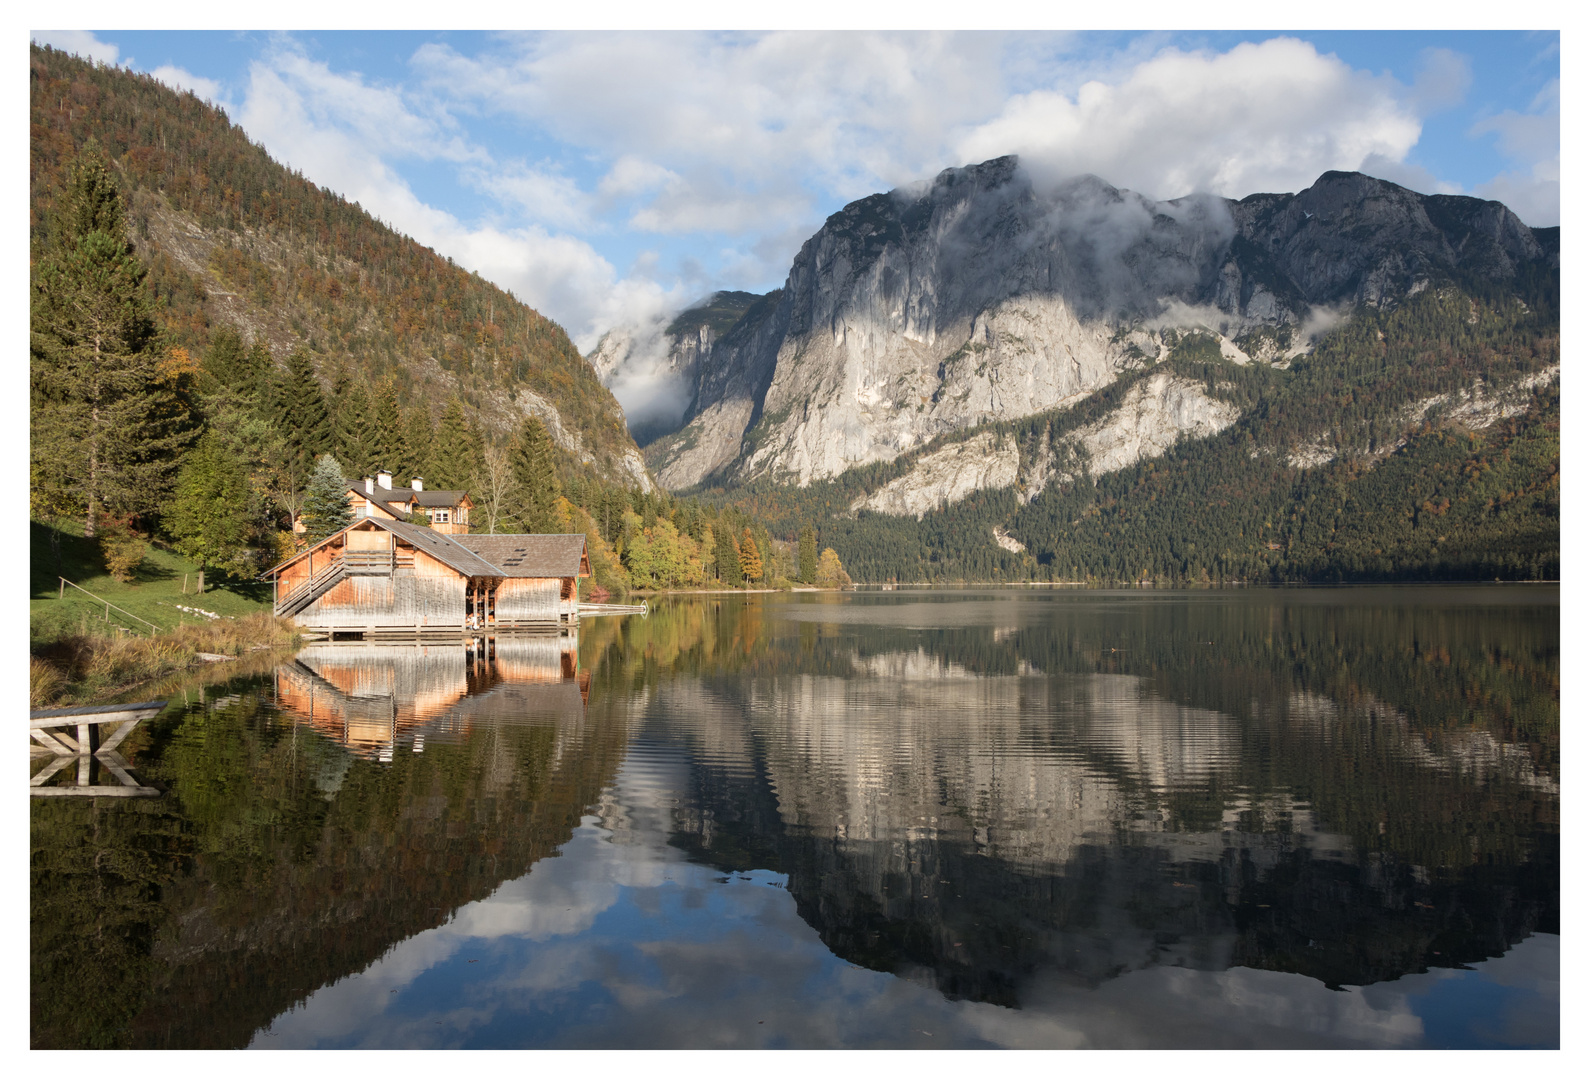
<point x="438" y="498"/>
<point x="428" y="497"/>
<point x="444" y="547"/>
<point x="537" y="555"/>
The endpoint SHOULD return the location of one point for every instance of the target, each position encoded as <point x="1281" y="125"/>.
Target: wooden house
<point x="375" y="497"/>
<point x="382" y="577"/>
<point x="540" y="574"/>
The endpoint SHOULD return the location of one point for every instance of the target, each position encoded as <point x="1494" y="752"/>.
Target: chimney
<point x="418" y="483"/>
<point x="384" y="478"/>
<point x="369" y="486"/>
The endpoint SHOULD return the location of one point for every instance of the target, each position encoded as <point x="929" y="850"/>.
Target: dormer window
<point x="439" y="517"/>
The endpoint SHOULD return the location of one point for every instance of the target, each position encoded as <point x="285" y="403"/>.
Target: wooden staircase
<point x="348" y="564"/>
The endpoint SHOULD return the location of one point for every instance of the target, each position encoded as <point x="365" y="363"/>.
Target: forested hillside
<point x="218" y="347"/>
<point x="1416" y="441"/>
<point x="231" y="238"/>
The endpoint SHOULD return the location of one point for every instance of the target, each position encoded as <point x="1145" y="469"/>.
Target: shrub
<point x="45" y="683"/>
<point x="123" y="550"/>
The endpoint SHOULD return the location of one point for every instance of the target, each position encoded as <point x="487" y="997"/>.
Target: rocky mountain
<point x="919" y="316"/>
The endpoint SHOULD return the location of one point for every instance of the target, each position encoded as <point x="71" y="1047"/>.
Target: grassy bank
<point x="81" y="656"/>
<point x="159" y="589"/>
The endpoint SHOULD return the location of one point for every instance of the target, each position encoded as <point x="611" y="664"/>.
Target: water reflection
<point x="908" y="820"/>
<point x="374" y="699"/>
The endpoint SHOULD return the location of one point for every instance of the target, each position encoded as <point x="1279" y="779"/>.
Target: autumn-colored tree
<point x="830" y="572"/>
<point x="750" y="557"/>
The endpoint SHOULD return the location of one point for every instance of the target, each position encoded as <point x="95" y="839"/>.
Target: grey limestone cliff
<point x="981" y="297"/>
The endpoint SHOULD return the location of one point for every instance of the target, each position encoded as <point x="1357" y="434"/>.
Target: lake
<point x="878" y="819"/>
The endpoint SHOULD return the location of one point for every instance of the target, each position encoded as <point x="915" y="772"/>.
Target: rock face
<point x="914" y="314"/>
<point x="947" y="476"/>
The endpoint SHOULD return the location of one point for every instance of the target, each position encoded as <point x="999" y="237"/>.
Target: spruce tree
<point x="107" y="430"/>
<point x="356" y="432"/>
<point x="533" y="492"/>
<point x="210" y="515"/>
<point x="388" y="447"/>
<point x="326" y="508"/>
<point x="728" y="557"/>
<point x="808" y="555"/>
<point x="456" y="453"/>
<point x="302" y="416"/>
<point x="226" y="362"/>
<point x="420" y="436"/>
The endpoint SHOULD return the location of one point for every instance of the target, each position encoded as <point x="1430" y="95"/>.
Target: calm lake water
<point x="910" y="819"/>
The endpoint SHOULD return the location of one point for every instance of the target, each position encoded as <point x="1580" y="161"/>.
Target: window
<point x="439" y="517"/>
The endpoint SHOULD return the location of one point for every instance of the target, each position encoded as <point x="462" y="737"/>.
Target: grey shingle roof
<point x="444" y="547"/>
<point x="529" y="554"/>
<point x="436" y="498"/>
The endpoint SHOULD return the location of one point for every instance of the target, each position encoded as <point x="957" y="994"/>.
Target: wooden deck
<point x="88" y="748"/>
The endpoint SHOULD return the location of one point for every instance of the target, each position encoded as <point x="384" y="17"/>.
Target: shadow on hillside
<point x="61" y="550"/>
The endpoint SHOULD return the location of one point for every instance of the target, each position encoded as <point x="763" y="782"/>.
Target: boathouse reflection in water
<point x="377" y="698"/>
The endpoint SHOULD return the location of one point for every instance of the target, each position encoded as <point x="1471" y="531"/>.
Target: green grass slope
<point x="153" y="595"/>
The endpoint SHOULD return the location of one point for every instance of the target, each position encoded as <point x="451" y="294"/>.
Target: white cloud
<point x="1533" y="142"/>
<point x="340" y="132"/>
<point x="1443" y="80"/>
<point x="733" y="132"/>
<point x="542" y="196"/>
<point x="1265" y="117"/>
<point x="181" y="79"/>
<point x="81" y="42"/>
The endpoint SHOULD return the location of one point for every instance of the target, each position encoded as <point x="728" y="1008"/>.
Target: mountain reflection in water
<point x="994" y="818"/>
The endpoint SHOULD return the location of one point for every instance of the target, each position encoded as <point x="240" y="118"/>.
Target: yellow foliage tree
<point x="830" y="572"/>
<point x="750" y="557"/>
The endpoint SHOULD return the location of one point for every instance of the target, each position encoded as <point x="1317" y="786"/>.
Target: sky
<point x="613" y="178"/>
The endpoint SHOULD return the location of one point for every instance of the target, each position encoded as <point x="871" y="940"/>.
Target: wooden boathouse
<point x="380" y="578"/>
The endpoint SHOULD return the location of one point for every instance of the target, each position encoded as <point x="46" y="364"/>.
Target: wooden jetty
<point x="48" y="729"/>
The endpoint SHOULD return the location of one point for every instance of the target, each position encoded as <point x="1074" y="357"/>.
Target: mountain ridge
<point x="1082" y="274"/>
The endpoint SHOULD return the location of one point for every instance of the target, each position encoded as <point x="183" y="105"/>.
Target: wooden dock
<point x="46" y="726"/>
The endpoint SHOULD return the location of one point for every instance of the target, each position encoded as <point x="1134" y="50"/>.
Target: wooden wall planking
<point x="524" y="599"/>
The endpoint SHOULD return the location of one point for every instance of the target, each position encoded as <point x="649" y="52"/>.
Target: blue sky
<point x="612" y="178"/>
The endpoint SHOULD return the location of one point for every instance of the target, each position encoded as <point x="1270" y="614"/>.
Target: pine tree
<point x="420" y="436"/>
<point x="108" y="430"/>
<point x="210" y="513"/>
<point x="301" y="414"/>
<point x="728" y="557"/>
<point x="388" y="447"/>
<point x="456" y="458"/>
<point x="534" y="491"/>
<point x="356" y="432"/>
<point x="750" y="557"/>
<point x="326" y="508"/>
<point x="808" y="555"/>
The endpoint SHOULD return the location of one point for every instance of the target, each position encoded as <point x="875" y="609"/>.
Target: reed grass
<point x="90" y="665"/>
